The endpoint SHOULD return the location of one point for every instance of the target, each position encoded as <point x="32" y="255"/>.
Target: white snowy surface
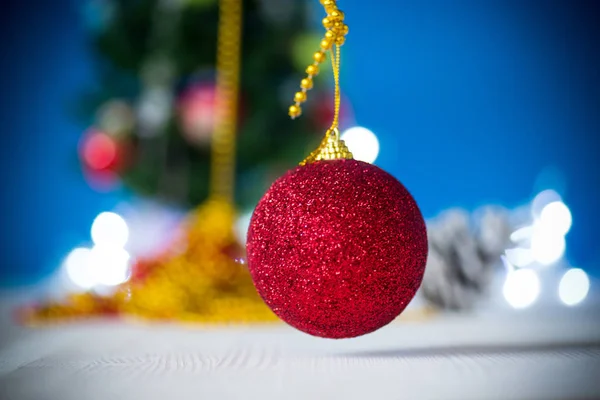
<point x="510" y="355"/>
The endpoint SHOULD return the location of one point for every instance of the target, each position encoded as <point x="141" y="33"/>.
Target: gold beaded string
<point x="228" y="70"/>
<point x="334" y="37"/>
<point x="332" y="147"/>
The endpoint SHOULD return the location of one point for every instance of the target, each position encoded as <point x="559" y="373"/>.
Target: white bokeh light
<point x="542" y="199"/>
<point x="77" y="267"/>
<point x="521" y="288"/>
<point x="522" y="234"/>
<point x="241" y="226"/>
<point x="108" y="265"/>
<point x="574" y="287"/>
<point x="362" y="143"/>
<point x="519" y="257"/>
<point x="547" y="247"/>
<point x="556" y="217"/>
<point x="153" y="111"/>
<point x="110" y="229"/>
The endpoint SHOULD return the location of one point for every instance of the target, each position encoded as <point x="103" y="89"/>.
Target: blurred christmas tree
<point x="155" y="106"/>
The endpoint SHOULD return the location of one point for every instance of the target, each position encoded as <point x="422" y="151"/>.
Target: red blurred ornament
<point x="197" y="109"/>
<point x="103" y="157"/>
<point x="99" y="151"/>
<point x="337" y="248"/>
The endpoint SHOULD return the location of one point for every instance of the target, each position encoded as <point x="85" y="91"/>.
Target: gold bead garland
<point x="200" y="278"/>
<point x="334" y="37"/>
<point x="228" y="80"/>
<point x="332" y="147"/>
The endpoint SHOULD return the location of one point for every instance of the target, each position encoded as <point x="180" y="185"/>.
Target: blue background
<point x="471" y="101"/>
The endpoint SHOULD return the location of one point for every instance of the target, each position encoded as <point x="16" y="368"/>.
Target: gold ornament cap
<point x="331" y="148"/>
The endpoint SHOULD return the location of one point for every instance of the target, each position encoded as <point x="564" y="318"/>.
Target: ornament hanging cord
<point x="332" y="147"/>
<point x="331" y="42"/>
<point x="335" y="64"/>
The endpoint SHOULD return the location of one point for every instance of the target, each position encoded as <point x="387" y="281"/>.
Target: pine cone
<point x="462" y="258"/>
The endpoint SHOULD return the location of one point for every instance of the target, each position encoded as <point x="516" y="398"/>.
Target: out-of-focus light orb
<point x="154" y="106"/>
<point x="547" y="247"/>
<point x="519" y="257"/>
<point x="556" y="217"/>
<point x="76" y="265"/>
<point x="110" y="229"/>
<point x="99" y="151"/>
<point x="521" y="288"/>
<point x="116" y="117"/>
<point x="573" y="287"/>
<point x="241" y="226"/>
<point x="522" y="234"/>
<point x="362" y="143"/>
<point x="542" y="199"/>
<point x="109" y="265"/>
<point x="152" y="227"/>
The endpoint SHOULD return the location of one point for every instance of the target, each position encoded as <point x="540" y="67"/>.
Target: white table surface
<point x="541" y="355"/>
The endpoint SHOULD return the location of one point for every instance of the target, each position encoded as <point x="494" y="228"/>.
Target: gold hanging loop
<point x="331" y="148"/>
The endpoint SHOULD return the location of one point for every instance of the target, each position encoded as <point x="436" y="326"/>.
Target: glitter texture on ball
<point x="337" y="248"/>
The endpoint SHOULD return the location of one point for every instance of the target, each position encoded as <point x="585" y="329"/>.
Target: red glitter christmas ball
<point x="337" y="248"/>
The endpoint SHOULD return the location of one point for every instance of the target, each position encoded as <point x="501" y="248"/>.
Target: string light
<point x="108" y="265"/>
<point x="547" y="247"/>
<point x="543" y="241"/>
<point x="542" y="199"/>
<point x="363" y="143"/>
<point x="519" y="257"/>
<point x="574" y="287"/>
<point x="556" y="217"/>
<point x="521" y="288"/>
<point x="76" y="266"/>
<point x="110" y="228"/>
